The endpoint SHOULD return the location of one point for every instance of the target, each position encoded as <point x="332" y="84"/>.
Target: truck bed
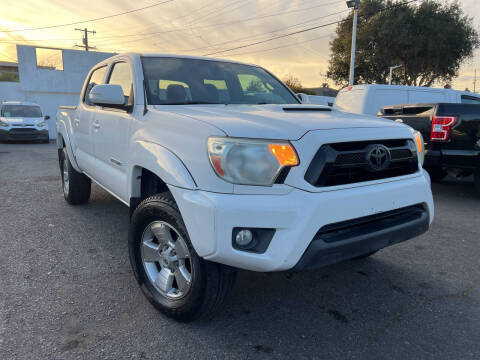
<point x="461" y="150"/>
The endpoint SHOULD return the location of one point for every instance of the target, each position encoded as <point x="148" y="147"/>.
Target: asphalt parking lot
<point x="67" y="291"/>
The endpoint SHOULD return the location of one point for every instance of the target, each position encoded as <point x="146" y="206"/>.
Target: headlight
<point x="3" y="123"/>
<point x="250" y="161"/>
<point x="41" y="124"/>
<point x="420" y="145"/>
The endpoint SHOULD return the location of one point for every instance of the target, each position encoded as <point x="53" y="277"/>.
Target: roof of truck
<point x="133" y="54"/>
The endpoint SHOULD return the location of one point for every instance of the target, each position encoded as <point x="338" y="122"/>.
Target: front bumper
<point x="297" y="217"/>
<point x="16" y="134"/>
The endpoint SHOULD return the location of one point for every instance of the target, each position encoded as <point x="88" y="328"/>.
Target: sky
<point x="198" y="27"/>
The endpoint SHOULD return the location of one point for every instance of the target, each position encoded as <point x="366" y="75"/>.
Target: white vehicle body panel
<point x="369" y="99"/>
<point x="297" y="216"/>
<point x="113" y="147"/>
<point x="316" y="99"/>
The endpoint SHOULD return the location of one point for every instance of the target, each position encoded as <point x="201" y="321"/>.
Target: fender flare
<point x="62" y="133"/>
<point x="160" y="161"/>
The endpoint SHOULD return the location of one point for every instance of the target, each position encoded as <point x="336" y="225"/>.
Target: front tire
<point x="76" y="186"/>
<point x="171" y="275"/>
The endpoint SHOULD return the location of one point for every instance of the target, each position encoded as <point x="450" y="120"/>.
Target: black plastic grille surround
<point x="347" y="163"/>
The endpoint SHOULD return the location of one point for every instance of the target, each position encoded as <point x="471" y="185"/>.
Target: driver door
<point x="83" y="125"/>
<point x="112" y="131"/>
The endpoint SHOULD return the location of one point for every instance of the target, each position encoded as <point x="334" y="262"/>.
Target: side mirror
<point x="304" y="99"/>
<point x="47" y="117"/>
<point x="107" y="95"/>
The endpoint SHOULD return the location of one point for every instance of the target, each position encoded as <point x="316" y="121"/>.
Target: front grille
<point x="348" y="163"/>
<point x="21" y="131"/>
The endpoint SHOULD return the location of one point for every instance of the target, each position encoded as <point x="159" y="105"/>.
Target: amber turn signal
<point x="284" y="153"/>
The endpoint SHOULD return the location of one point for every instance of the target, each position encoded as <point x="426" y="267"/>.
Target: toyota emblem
<point x="378" y="157"/>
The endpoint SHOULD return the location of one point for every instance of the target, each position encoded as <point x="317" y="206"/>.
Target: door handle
<point x="77" y="121"/>
<point x="96" y="125"/>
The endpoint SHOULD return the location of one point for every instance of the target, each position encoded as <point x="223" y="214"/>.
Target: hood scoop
<point x="307" y="108"/>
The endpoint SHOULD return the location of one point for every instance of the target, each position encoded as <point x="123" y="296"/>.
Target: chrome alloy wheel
<point x="166" y="259"/>
<point x="66" y="182"/>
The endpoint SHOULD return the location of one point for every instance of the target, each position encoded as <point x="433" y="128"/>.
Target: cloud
<point x="201" y="25"/>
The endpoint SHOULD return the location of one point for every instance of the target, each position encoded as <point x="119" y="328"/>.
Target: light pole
<point x="391" y="73"/>
<point x="353" y="4"/>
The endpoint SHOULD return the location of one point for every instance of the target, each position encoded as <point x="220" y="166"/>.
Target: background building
<point x="48" y="77"/>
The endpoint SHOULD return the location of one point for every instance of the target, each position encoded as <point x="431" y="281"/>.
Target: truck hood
<point x="288" y="122"/>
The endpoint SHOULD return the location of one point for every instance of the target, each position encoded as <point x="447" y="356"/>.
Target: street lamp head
<point x="353" y="4"/>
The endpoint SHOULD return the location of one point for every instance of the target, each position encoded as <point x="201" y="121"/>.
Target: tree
<point x="430" y="40"/>
<point x="295" y="85"/>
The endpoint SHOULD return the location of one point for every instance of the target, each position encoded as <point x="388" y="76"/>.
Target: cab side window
<point x="95" y="79"/>
<point x="121" y="74"/>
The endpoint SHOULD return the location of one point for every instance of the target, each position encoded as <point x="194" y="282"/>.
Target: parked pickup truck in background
<point x="451" y="133"/>
<point x="223" y="168"/>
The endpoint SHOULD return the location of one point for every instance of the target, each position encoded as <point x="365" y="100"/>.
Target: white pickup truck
<point x="223" y="168"/>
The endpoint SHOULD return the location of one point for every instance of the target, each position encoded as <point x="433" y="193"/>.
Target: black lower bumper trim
<point x="24" y="135"/>
<point x="342" y="241"/>
<point x="453" y="159"/>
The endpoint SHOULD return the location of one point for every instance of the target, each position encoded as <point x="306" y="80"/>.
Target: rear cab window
<point x="167" y="85"/>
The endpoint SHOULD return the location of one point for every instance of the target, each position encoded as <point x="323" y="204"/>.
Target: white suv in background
<point x="369" y="99"/>
<point x="21" y="120"/>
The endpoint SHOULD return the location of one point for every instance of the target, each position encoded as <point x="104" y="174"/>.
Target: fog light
<point x="244" y="238"/>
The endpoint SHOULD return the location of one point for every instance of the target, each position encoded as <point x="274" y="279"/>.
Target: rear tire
<point x="436" y="174"/>
<point x="76" y="186"/>
<point x="171" y="275"/>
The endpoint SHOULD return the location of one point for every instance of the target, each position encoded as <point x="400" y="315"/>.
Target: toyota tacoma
<point x="223" y="168"/>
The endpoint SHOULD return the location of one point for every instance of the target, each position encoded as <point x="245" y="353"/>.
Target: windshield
<point x="176" y="81"/>
<point x="21" y="111"/>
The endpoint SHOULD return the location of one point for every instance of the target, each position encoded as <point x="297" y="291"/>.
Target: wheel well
<point x="61" y="142"/>
<point x="151" y="184"/>
<point x="60" y="146"/>
<point x="146" y="184"/>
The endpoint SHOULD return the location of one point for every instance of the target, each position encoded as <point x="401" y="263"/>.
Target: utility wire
<point x="156" y="32"/>
<point x="147" y="35"/>
<point x="103" y="37"/>
<point x="281" y="47"/>
<point x="300" y="31"/>
<point x="91" y="20"/>
<point x="266" y="33"/>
